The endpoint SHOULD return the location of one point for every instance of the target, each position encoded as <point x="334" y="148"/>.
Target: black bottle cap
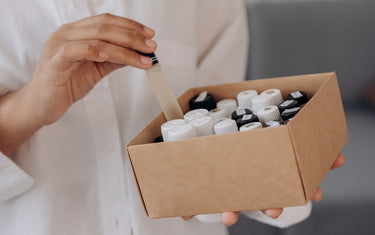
<point x="300" y="96"/>
<point x="239" y="113"/>
<point x="287" y="104"/>
<point x="290" y="113"/>
<point x="158" y="139"/>
<point x="273" y="123"/>
<point x="150" y="55"/>
<point x="247" y="118"/>
<point x="202" y="101"/>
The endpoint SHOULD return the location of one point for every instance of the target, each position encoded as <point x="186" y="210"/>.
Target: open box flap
<point x="319" y="133"/>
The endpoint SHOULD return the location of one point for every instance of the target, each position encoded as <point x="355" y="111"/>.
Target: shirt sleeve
<point x="222" y="40"/>
<point x="13" y="180"/>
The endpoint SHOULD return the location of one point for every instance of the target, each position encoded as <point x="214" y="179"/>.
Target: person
<point x="74" y="93"/>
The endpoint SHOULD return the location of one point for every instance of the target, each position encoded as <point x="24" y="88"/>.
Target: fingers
<point x="110" y="19"/>
<point x="187" y="217"/>
<point x="273" y="213"/>
<point x="318" y="195"/>
<point x="229" y="218"/>
<point x="98" y="51"/>
<point x="112" y="34"/>
<point x="340" y="161"/>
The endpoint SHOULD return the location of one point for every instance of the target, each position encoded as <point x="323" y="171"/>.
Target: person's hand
<point x="230" y="218"/>
<point x="80" y="54"/>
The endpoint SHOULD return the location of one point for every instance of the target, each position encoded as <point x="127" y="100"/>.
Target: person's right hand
<point x="79" y="54"/>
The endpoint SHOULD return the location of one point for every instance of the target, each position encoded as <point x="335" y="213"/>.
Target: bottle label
<point x="201" y="97"/>
<point x="247" y="117"/>
<point x="240" y="112"/>
<point x="286" y="103"/>
<point x="296" y="94"/>
<point x="293" y="110"/>
<point x="272" y="123"/>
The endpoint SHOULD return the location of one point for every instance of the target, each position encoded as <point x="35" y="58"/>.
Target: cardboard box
<point x="263" y="168"/>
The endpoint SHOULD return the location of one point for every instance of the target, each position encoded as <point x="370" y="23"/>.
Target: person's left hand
<point x="230" y="218"/>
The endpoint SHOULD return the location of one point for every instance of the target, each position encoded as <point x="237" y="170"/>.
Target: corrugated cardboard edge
<point x="315" y="158"/>
<point x="144" y="137"/>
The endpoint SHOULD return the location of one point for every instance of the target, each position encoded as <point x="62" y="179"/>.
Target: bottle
<point x="229" y="105"/>
<point x="245" y="98"/>
<point x="217" y="114"/>
<point x="239" y="113"/>
<point x="299" y="96"/>
<point x="248" y="118"/>
<point x="275" y="94"/>
<point x="251" y="126"/>
<point x="287" y="104"/>
<point x="269" y="113"/>
<point x="182" y="132"/>
<point x="261" y="101"/>
<point x="167" y="126"/>
<point x="225" y="126"/>
<point x="202" y="101"/>
<point x="196" y="113"/>
<point x="203" y="126"/>
<point x="290" y="113"/>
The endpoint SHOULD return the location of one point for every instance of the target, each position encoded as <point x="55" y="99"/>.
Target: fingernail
<point x="145" y="60"/>
<point x="103" y="55"/>
<point x="149" y="31"/>
<point x="150" y="43"/>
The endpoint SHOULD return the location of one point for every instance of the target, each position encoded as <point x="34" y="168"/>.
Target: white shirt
<point x="74" y="176"/>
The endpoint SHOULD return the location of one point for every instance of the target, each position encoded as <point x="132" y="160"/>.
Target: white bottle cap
<point x="203" y="126"/>
<point x="209" y="218"/>
<point x="167" y="126"/>
<point x="217" y="114"/>
<point x="196" y="113"/>
<point x="229" y="105"/>
<point x="269" y="113"/>
<point x="251" y="126"/>
<point x="182" y="132"/>
<point x="275" y="94"/>
<point x="261" y="101"/>
<point x="245" y="98"/>
<point x="225" y="126"/>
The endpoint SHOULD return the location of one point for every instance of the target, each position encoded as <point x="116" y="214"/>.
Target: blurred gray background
<point x="293" y="37"/>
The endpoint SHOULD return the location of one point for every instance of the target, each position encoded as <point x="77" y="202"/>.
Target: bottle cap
<point x="300" y="96"/>
<point x="196" y="113"/>
<point x="239" y="113"/>
<point x="229" y="105"/>
<point x="225" y="126"/>
<point x="167" y="126"/>
<point x="245" y="98"/>
<point x="275" y="94"/>
<point x="202" y="101"/>
<point x="217" y="114"/>
<point x="269" y="113"/>
<point x="261" y="101"/>
<point x="287" y="104"/>
<point x="248" y="118"/>
<point x="203" y="126"/>
<point x="273" y="123"/>
<point x="251" y="126"/>
<point x="290" y="113"/>
<point x="182" y="132"/>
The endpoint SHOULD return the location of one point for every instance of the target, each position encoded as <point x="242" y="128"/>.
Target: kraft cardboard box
<point x="258" y="169"/>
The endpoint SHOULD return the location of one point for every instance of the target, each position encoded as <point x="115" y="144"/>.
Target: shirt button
<point x="109" y="146"/>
